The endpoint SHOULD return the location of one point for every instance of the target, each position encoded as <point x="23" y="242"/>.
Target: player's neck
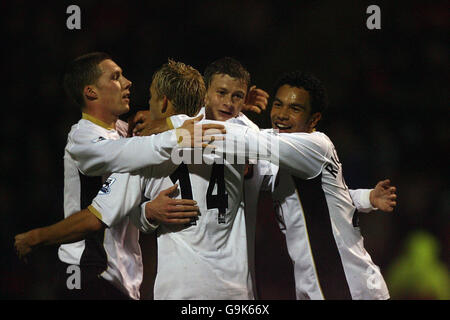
<point x="103" y="119"/>
<point x="170" y="111"/>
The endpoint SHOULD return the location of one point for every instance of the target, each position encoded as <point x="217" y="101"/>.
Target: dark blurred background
<point x="388" y="114"/>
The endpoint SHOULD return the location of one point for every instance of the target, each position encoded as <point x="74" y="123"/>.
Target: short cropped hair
<point x="307" y="81"/>
<point x="228" y="66"/>
<point x="81" y="72"/>
<point x="183" y="85"/>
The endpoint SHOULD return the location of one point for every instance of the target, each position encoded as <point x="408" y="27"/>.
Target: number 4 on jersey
<point x="218" y="200"/>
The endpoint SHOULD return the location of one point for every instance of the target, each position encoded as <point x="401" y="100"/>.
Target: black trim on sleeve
<point x="94" y="254"/>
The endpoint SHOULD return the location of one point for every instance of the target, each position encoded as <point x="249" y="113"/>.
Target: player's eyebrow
<point x="297" y="105"/>
<point x="117" y="70"/>
<point x="277" y="100"/>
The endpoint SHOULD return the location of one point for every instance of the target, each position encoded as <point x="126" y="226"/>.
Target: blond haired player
<point x="94" y="149"/>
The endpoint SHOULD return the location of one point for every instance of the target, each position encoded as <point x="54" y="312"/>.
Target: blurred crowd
<point x="388" y="114"/>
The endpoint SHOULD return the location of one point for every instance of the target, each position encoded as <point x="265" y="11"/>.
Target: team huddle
<point x="121" y="179"/>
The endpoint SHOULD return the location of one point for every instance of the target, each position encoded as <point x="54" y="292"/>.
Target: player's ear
<point x="165" y="104"/>
<point x="315" y="118"/>
<point x="90" y="93"/>
<point x="206" y="99"/>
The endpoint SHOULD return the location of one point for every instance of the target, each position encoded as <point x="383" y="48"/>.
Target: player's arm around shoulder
<point x="97" y="155"/>
<point x="85" y="148"/>
<point x="304" y="154"/>
<point x="317" y="141"/>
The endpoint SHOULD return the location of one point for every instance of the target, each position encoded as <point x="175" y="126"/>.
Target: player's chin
<point x="124" y="108"/>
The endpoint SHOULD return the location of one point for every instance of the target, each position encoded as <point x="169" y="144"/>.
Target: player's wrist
<point x="372" y="199"/>
<point x="35" y="237"/>
<point x="153" y="222"/>
<point x="149" y="215"/>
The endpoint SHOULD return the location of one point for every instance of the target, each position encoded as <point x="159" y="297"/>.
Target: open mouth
<point x="282" y="127"/>
<point x="225" y="113"/>
<point x="126" y="96"/>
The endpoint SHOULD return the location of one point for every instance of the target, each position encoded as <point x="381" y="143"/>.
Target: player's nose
<point x="227" y="101"/>
<point x="282" y="114"/>
<point x="126" y="83"/>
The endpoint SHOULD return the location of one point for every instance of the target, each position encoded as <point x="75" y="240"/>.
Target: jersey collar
<point x="96" y="121"/>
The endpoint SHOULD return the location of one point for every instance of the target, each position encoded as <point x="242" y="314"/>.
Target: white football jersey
<point x="241" y="119"/>
<point x="93" y="151"/>
<point x="318" y="218"/>
<point x="208" y="258"/>
<point x="263" y="179"/>
<point x="312" y="160"/>
<point x="114" y="205"/>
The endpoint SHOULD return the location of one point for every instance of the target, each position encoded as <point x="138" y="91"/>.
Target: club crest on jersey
<point x="98" y="139"/>
<point x="106" y="188"/>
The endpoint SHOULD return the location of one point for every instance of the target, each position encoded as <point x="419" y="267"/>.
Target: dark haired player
<point x="317" y="211"/>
